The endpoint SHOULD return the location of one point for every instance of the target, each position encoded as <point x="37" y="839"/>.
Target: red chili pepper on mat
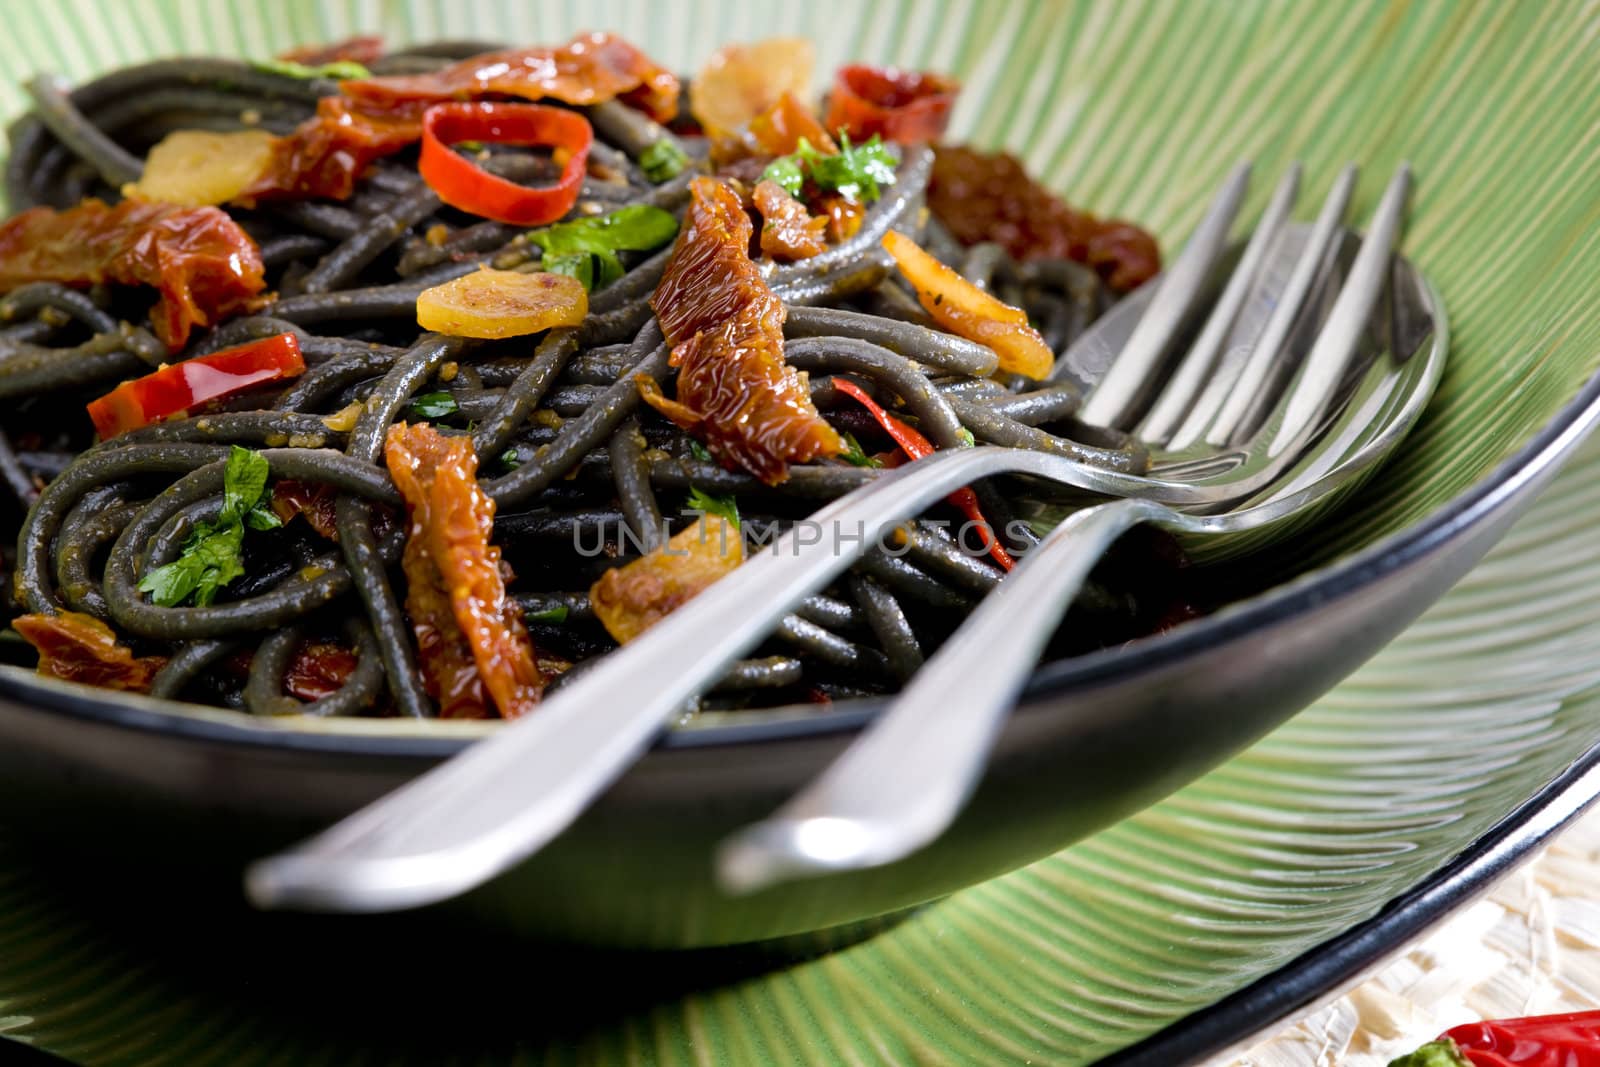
<point x="1569" y="1040"/>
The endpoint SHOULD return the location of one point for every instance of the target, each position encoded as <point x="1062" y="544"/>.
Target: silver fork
<point x="904" y="780"/>
<point x="503" y="798"/>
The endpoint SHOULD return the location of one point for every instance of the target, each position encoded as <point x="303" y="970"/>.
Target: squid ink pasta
<point x="370" y="382"/>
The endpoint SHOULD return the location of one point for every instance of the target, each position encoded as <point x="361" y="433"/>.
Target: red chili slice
<point x="915" y="445"/>
<point x="898" y="105"/>
<point x="462" y="184"/>
<point x="177" y="388"/>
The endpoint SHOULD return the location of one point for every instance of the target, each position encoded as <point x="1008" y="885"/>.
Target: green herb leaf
<point x="218" y="558"/>
<point x="243" y="481"/>
<point x="854" y="455"/>
<point x="569" y="246"/>
<point x="210" y="561"/>
<point x="170" y="585"/>
<point x="510" y="459"/>
<point x="725" y="506"/>
<point x="857" y="172"/>
<point x="579" y="265"/>
<point x="663" y="160"/>
<point x="967" y="440"/>
<point x="785" y="170"/>
<point x="343" y="70"/>
<point x="261" y="517"/>
<point x="699" y="451"/>
<point x="555" y="614"/>
<point x="433" y="405"/>
<point x="211" y="556"/>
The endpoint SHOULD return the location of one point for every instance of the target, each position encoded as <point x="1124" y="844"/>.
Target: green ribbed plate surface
<point x="1137" y="109"/>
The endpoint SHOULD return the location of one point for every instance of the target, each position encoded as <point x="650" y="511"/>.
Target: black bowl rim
<point x="1338" y="581"/>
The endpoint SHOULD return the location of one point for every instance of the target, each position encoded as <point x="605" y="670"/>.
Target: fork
<point x="505" y="797"/>
<point x="903" y="781"/>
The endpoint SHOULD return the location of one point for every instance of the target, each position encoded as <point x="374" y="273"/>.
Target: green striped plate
<point x="1136" y="109"/>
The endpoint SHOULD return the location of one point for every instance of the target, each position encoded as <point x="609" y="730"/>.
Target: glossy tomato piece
<point x="178" y="387"/>
<point x="898" y="105"/>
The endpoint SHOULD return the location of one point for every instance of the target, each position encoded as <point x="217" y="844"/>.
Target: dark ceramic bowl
<point x="1095" y="738"/>
<point x="175" y="791"/>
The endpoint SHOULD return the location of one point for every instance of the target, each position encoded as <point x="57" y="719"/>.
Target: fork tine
<point x="1222" y="411"/>
<point x="1133" y="368"/>
<point x="1178" y="394"/>
<point x="1330" y="355"/>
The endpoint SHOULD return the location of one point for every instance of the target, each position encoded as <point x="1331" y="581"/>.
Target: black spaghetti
<point x="643" y="327"/>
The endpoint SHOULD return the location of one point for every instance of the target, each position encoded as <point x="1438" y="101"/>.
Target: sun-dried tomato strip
<point x="205" y="267"/>
<point x="350" y="50"/>
<point x="81" y="648"/>
<point x="319" y="669"/>
<point x="589" y="69"/>
<point x="788" y="231"/>
<point x="630" y="599"/>
<point x="476" y="654"/>
<point x="734" y="392"/>
<point x="326" y="154"/>
<point x="981" y="197"/>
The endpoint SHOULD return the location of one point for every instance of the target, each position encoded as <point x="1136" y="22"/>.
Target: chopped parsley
<point x="699" y="451"/>
<point x="853" y="453"/>
<point x="510" y="459"/>
<point x="343" y="70"/>
<point x="555" y="614"/>
<point x="856" y="172"/>
<point x="433" y="405"/>
<point x="587" y="248"/>
<point x="663" y="160"/>
<point x="211" y="556"/>
<point x="967" y="440"/>
<point x="722" y="506"/>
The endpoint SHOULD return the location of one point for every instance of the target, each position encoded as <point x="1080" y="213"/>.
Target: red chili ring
<point x="463" y="184"/>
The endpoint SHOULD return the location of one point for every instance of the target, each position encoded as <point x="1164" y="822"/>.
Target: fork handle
<point x="901" y="784"/>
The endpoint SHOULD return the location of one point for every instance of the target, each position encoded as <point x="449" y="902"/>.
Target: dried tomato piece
<point x="734" y="391"/>
<point x="318" y="503"/>
<point x="777" y="131"/>
<point x="319" y="669"/>
<point x="589" y="69"/>
<point x="630" y="599"/>
<point x="844" y="216"/>
<point x="981" y="197"/>
<point x="81" y="648"/>
<point x="326" y="154"/>
<point x="476" y="654"/>
<point x="898" y="105"/>
<point x="788" y="231"/>
<point x="205" y="267"/>
<point x="363" y="50"/>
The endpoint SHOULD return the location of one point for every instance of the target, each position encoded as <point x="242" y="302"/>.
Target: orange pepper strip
<point x="964" y="309"/>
